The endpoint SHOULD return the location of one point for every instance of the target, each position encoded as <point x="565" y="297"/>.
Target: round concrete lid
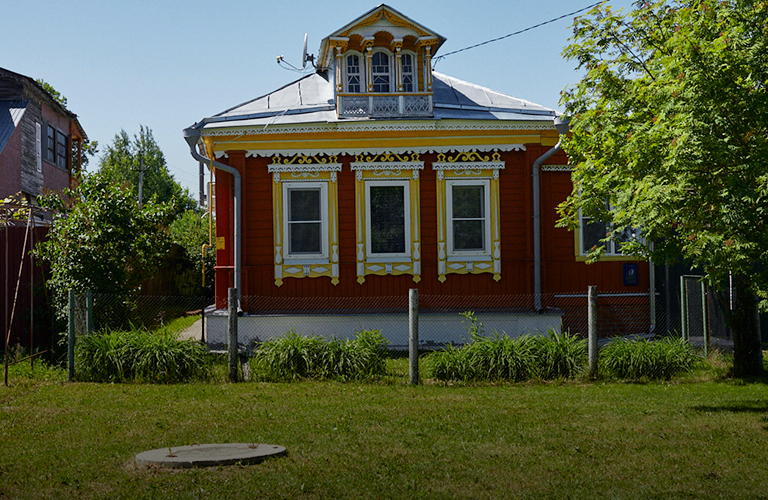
<point x="207" y="455"/>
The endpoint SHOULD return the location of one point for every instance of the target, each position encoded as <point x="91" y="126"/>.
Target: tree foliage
<point x="670" y="126"/>
<point x="191" y="231"/>
<point x="102" y="240"/>
<point x="122" y="160"/>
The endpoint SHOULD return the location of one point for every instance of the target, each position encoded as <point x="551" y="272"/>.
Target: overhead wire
<point x="443" y="56"/>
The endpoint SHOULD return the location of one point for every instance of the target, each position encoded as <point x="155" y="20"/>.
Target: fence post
<point x="684" y="308"/>
<point x="592" y="319"/>
<point x="232" y="335"/>
<point x="704" y="320"/>
<point x="89" y="311"/>
<point x="71" y="338"/>
<point x="413" y="335"/>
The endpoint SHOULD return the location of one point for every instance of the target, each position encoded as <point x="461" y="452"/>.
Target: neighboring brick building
<point x="40" y="140"/>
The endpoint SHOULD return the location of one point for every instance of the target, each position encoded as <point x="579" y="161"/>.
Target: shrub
<point x="297" y="356"/>
<point x="559" y="355"/>
<point x="496" y="358"/>
<point x="139" y="354"/>
<point x="635" y="360"/>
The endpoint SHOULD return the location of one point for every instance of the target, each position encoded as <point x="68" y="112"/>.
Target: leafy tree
<point x="191" y="231"/>
<point x="670" y="127"/>
<point x="122" y="160"/>
<point x="102" y="240"/>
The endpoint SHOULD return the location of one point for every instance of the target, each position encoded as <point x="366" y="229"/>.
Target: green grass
<point x="565" y="439"/>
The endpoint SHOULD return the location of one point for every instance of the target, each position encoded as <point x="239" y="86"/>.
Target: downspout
<point x="192" y="136"/>
<point x="562" y="128"/>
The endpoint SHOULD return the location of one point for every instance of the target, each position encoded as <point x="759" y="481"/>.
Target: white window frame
<point x="413" y="73"/>
<point x="466" y="255"/>
<point x="305" y="258"/>
<point x="405" y="183"/>
<point x="390" y="72"/>
<point x="361" y="74"/>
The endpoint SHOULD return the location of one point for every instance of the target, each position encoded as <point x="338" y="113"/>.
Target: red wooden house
<point x="339" y="192"/>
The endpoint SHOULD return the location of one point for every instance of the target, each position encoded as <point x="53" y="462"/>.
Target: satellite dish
<point x="304" y="53"/>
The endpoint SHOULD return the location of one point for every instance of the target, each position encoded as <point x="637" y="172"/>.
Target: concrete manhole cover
<point x="208" y="455"/>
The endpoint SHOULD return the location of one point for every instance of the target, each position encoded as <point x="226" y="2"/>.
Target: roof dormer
<point x="382" y="63"/>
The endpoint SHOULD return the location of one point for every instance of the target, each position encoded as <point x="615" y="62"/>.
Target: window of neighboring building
<point x="406" y="61"/>
<point x="354" y="74"/>
<point x="468" y="217"/>
<point x="50" y="144"/>
<point x="305" y="219"/>
<point x="592" y="231"/>
<point x="380" y="72"/>
<point x="388" y="218"/>
<point x="62" y="151"/>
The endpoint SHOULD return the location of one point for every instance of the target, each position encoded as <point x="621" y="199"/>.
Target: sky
<point x="168" y="64"/>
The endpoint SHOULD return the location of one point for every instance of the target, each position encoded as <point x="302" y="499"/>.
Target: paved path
<point x="194" y="332"/>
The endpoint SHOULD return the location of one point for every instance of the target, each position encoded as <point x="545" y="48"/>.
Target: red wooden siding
<point x="560" y="271"/>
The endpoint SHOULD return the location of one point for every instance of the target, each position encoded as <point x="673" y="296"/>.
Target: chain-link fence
<point x="443" y="320"/>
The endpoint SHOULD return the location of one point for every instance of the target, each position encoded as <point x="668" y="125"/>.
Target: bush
<point x="497" y="358"/>
<point x="140" y="355"/>
<point x="298" y="356"/>
<point x="635" y="360"/>
<point x="559" y="355"/>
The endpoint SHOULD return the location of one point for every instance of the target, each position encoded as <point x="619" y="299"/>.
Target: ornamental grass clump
<point x="140" y="355"/>
<point x="297" y="356"/>
<point x="559" y="355"/>
<point x="653" y="360"/>
<point x="498" y="358"/>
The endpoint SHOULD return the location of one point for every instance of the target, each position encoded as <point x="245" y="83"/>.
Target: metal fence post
<point x="232" y="335"/>
<point x="704" y="321"/>
<point x="89" y="311"/>
<point x="71" y="338"/>
<point x="413" y="334"/>
<point x="684" y="309"/>
<point x="592" y="319"/>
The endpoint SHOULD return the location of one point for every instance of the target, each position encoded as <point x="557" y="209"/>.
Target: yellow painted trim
<point x="361" y="255"/>
<point x="332" y="264"/>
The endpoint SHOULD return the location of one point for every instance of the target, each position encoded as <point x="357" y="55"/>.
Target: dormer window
<point x="406" y="62"/>
<point x="354" y="73"/>
<point x="380" y="72"/>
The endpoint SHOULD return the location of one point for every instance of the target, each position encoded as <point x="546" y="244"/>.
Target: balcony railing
<point x="385" y="105"/>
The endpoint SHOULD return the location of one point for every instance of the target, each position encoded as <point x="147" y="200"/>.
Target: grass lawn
<point x="687" y="439"/>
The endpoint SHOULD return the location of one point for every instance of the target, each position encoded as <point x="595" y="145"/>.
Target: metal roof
<point x="312" y="100"/>
<point x="11" y="112"/>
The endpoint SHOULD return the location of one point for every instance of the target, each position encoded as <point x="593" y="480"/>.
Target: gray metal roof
<point x="11" y="112"/>
<point x="312" y="100"/>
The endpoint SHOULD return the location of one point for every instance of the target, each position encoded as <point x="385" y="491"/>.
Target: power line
<point x="439" y="58"/>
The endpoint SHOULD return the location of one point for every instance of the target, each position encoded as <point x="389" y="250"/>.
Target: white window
<point x="409" y="73"/>
<point x="305" y="216"/>
<point x="354" y="73"/>
<point x="380" y="72"/>
<point x="592" y="231"/>
<point x="468" y="218"/>
<point x="388" y="218"/>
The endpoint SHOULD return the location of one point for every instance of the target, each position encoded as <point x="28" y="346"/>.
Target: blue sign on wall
<point x="630" y="274"/>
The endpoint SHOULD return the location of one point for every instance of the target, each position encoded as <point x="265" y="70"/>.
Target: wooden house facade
<point x="339" y="192"/>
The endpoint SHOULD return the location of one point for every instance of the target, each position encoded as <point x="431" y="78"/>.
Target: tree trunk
<point x="747" y="348"/>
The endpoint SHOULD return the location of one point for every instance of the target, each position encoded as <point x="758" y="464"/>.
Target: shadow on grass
<point x="755" y="406"/>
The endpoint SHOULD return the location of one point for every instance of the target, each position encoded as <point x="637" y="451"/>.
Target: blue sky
<point x="169" y="64"/>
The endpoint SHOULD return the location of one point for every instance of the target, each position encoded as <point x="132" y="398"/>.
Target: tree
<point x="101" y="240"/>
<point x="123" y="158"/>
<point x="191" y="231"/>
<point x="670" y="134"/>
